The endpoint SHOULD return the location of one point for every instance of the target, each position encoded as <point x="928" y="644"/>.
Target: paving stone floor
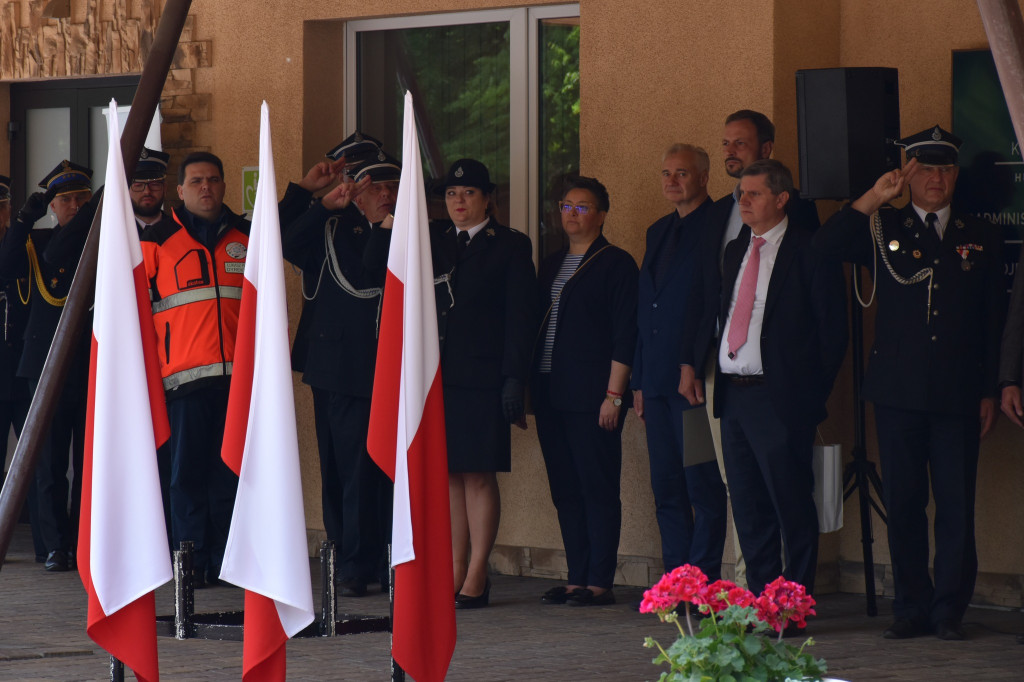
<point x="42" y="637"/>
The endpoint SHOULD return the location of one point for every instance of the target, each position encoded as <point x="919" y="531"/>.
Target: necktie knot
<point x="758" y="242"/>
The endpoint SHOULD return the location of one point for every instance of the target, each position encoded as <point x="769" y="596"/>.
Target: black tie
<point x="931" y="221"/>
<point x="462" y="243"/>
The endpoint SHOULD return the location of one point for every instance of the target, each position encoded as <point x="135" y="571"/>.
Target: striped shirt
<point x="569" y="266"/>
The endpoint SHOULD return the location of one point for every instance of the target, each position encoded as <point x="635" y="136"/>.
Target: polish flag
<point x="266" y="551"/>
<point x="123" y="552"/>
<point x="406" y="436"/>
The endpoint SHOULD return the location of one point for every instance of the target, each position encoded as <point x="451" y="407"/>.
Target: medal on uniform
<point x="964" y="250"/>
<point x="909" y="222"/>
<point x="959" y="223"/>
<point x="965" y="265"/>
<point x="916" y="253"/>
<point x="53" y="283"/>
<point x="894" y="245"/>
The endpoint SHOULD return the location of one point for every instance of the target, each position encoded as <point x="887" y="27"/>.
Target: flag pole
<point x="69" y="330"/>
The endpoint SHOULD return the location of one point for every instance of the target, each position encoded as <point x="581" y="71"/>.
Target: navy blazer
<point x="337" y="337"/>
<point x="661" y="309"/>
<point x="485" y="317"/>
<point x="596" y="324"/>
<point x="702" y="309"/>
<point x="804" y="330"/>
<point x="936" y="346"/>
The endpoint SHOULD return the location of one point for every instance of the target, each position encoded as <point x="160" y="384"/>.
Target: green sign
<point x="991" y="180"/>
<point x="250" y="178"/>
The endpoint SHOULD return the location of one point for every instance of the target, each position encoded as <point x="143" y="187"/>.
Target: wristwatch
<point x="615" y="398"/>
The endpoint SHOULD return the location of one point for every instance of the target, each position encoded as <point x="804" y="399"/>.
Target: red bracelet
<point x="614" y="394"/>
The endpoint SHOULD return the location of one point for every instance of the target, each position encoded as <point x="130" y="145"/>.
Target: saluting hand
<point x="342" y="195"/>
<point x="886" y="188"/>
<point x="322" y="175"/>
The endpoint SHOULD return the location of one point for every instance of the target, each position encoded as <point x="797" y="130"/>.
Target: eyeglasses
<point x="152" y="185"/>
<point x="567" y="208"/>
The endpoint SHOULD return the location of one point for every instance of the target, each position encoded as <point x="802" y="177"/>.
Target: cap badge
<point x="380" y="154"/>
<point x="144" y="154"/>
<point x="936" y="135"/>
<point x="359" y="136"/>
<point x="894" y="245"/>
<point x="65" y="165"/>
<point x="458" y="172"/>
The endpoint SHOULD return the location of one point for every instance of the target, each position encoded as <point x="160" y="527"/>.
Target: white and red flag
<point x="123" y="552"/>
<point x="266" y="551"/>
<point x="407" y="438"/>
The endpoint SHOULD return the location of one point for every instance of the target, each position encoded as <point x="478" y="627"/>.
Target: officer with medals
<point x="932" y="374"/>
<point x="66" y="192"/>
<point x="336" y="344"/>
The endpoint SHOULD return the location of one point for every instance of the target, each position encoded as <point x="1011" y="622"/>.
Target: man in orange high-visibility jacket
<point x="195" y="267"/>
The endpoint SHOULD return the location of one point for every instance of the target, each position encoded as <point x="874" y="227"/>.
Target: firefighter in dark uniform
<point x="14" y="395"/>
<point x="47" y="283"/>
<point x="932" y="375"/>
<point x="339" y="348"/>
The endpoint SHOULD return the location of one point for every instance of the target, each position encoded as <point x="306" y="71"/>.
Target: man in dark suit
<point x="783" y="318"/>
<point x="339" y="355"/>
<point x="748" y="136"/>
<point x="690" y="501"/>
<point x="933" y="370"/>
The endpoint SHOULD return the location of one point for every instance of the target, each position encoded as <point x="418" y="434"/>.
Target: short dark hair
<point x="591" y="185"/>
<point x="763" y="124"/>
<point x="777" y="176"/>
<point x="199" y="157"/>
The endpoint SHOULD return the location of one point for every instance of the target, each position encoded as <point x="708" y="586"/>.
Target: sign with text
<point x="991" y="180"/>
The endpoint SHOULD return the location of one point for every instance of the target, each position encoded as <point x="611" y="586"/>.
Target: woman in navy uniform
<point x="484" y="290"/>
<point x="585" y="347"/>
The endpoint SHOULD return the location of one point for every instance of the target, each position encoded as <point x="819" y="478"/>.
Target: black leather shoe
<point x="463" y="601"/>
<point x="903" y="628"/>
<point x="557" y="595"/>
<point x="949" y="630"/>
<point x="352" y="587"/>
<point x="587" y="597"/>
<point x="57" y="560"/>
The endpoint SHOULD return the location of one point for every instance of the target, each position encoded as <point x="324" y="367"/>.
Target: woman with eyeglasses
<point x="581" y="373"/>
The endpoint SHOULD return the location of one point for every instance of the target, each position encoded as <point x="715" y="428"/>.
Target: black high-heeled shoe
<point x="464" y="601"/>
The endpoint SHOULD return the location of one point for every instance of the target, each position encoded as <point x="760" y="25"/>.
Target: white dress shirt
<point x="942" y="213"/>
<point x="747" y="360"/>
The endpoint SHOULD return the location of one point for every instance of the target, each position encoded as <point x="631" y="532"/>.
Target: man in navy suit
<point x="783" y="338"/>
<point x="690" y="501"/>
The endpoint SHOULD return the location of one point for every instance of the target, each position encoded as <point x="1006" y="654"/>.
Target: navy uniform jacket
<point x="485" y="321"/>
<point x="13" y="317"/>
<point x="803" y="333"/>
<point x="596" y="324"/>
<point x="940" y="355"/>
<point x="661" y="309"/>
<point x="337" y="331"/>
<point x="702" y="309"/>
<point x="295" y="202"/>
<point x="42" y="316"/>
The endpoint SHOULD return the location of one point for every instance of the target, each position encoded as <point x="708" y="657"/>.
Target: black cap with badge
<point x="385" y="169"/>
<point x="5" y="188"/>
<point x="933" y="147"/>
<point x="357" y="148"/>
<point x="469" y="173"/>
<point x="152" y="165"/>
<point x="67" y="178"/>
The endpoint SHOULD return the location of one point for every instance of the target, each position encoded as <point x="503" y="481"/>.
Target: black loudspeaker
<point x="848" y="120"/>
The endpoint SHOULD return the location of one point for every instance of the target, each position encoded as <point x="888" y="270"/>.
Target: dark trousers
<point x="13" y="411"/>
<point x="202" y="486"/>
<point x="771" y="479"/>
<point x="690" y="502"/>
<point x="58" y="526"/>
<point x="584" y="464"/>
<point x="354" y="490"/>
<point x="911" y="446"/>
